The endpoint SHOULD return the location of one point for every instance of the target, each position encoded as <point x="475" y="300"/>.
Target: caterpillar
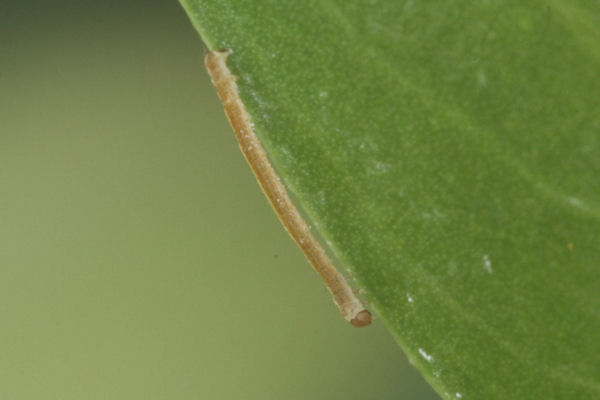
<point x="224" y="81"/>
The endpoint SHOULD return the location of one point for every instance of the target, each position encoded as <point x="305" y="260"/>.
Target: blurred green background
<point x="138" y="257"/>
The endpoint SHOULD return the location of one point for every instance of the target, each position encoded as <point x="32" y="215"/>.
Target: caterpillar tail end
<point x="363" y="318"/>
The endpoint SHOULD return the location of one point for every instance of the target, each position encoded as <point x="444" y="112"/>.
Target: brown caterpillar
<point x="343" y="296"/>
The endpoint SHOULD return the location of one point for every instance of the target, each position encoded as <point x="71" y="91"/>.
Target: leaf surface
<point x="448" y="154"/>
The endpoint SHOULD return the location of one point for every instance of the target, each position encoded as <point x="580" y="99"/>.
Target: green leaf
<point x="447" y="152"/>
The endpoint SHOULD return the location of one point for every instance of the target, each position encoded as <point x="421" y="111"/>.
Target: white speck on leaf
<point x="427" y="357"/>
<point x="409" y="298"/>
<point x="575" y="202"/>
<point x="379" y="168"/>
<point x="458" y="395"/>
<point x="487" y="264"/>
